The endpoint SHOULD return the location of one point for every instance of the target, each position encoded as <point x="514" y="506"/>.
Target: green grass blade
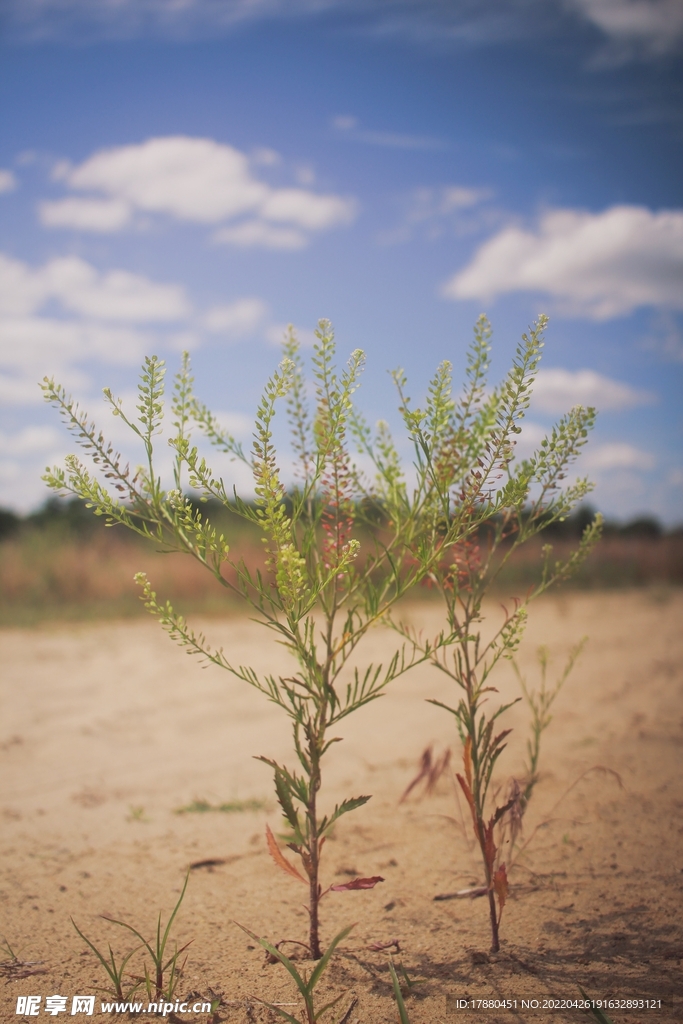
<point x="402" y="1012"/>
<point x="601" y="1017"/>
<point x="328" y="1006"/>
<point x="283" y="1013"/>
<point x="304" y="988"/>
<point x="171" y="919"/>
<point x="324" y="960"/>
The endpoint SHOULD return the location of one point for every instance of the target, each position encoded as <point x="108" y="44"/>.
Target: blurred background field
<point x="63" y="563"/>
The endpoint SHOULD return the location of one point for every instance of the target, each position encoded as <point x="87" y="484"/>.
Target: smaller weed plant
<point x="475" y="489"/>
<point x="595" y="1011"/>
<point x="121" y="989"/>
<point x="162" y="980"/>
<point x="13" y="967"/>
<point x="305" y="983"/>
<point x="540" y="701"/>
<point x="398" y="994"/>
<point x="229" y="807"/>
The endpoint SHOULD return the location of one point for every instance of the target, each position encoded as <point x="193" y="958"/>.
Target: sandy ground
<point x="106" y="730"/>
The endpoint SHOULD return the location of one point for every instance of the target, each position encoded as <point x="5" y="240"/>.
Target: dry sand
<point x="107" y="729"/>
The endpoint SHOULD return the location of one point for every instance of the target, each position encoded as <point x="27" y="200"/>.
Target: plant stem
<point x="495" y="944"/>
<point x="314" y="885"/>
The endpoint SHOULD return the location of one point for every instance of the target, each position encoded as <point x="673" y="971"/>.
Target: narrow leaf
<point x="467" y="761"/>
<point x="304" y="988"/>
<point x="279" y="857"/>
<point x="500" y="886"/>
<point x="402" y="1011"/>
<point x="325" y="959"/>
<point x="470" y="799"/>
<point x="357" y="883"/>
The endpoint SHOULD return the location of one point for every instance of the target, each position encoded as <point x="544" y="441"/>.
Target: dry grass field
<point x="107" y="729"/>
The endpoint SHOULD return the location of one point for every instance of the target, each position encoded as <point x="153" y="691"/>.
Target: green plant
<point x="13" y="967"/>
<point x="317" y="595"/>
<point x="231" y="807"/>
<point x="398" y="995"/>
<point x="477" y="507"/>
<point x="115" y="971"/>
<point x="166" y="973"/>
<point x="341" y="552"/>
<point x="595" y="1011"/>
<point x="540" y="702"/>
<point x="305" y="983"/>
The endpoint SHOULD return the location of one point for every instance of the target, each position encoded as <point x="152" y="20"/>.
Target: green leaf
<point x="402" y="1011"/>
<point x="325" y="959"/>
<point x="343" y="808"/>
<point x="304" y="987"/>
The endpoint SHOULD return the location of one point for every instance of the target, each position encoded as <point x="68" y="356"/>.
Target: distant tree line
<point x="72" y="519"/>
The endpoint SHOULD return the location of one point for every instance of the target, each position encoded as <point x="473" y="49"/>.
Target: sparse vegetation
<point x="162" y="981"/>
<point x="338" y="552"/>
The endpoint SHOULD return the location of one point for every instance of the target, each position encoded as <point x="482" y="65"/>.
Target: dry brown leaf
<point x="500" y="886"/>
<point x="280" y="859"/>
<point x="357" y="883"/>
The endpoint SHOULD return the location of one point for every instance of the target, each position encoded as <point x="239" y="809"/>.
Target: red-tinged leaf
<point x="280" y="859"/>
<point x="470" y="800"/>
<point x="467" y="761"/>
<point x="307" y="862"/>
<point x="357" y="883"/>
<point x="500" y="886"/>
<point x="379" y="946"/>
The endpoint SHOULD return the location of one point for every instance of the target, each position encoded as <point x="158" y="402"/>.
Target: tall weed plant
<point x="341" y="549"/>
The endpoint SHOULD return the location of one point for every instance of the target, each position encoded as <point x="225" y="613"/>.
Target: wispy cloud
<point x="642" y="28"/>
<point x="557" y="390"/>
<point x="8" y="181"/>
<point x="617" y="455"/>
<point x="236" y="319"/>
<point x="433" y="212"/>
<point x="633" y="27"/>
<point x="348" y="126"/>
<point x="81" y="288"/>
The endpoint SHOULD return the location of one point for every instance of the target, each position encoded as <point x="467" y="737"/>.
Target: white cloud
<point x="556" y="391"/>
<point x="196" y="180"/>
<point x="254" y="233"/>
<point x="104" y="215"/>
<point x="651" y="26"/>
<point x="237" y="318"/>
<point x="236" y="423"/>
<point x="428" y="203"/>
<point x="616" y="456"/>
<point x="307" y="210"/>
<point x="598" y="265"/>
<point x="30" y="441"/>
<point x="34" y="347"/>
<point x="80" y="288"/>
<point x="23" y="389"/>
<point x="8" y="182"/>
<point x="191" y="179"/>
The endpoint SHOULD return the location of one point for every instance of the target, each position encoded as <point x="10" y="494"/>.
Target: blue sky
<point x="199" y="174"/>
